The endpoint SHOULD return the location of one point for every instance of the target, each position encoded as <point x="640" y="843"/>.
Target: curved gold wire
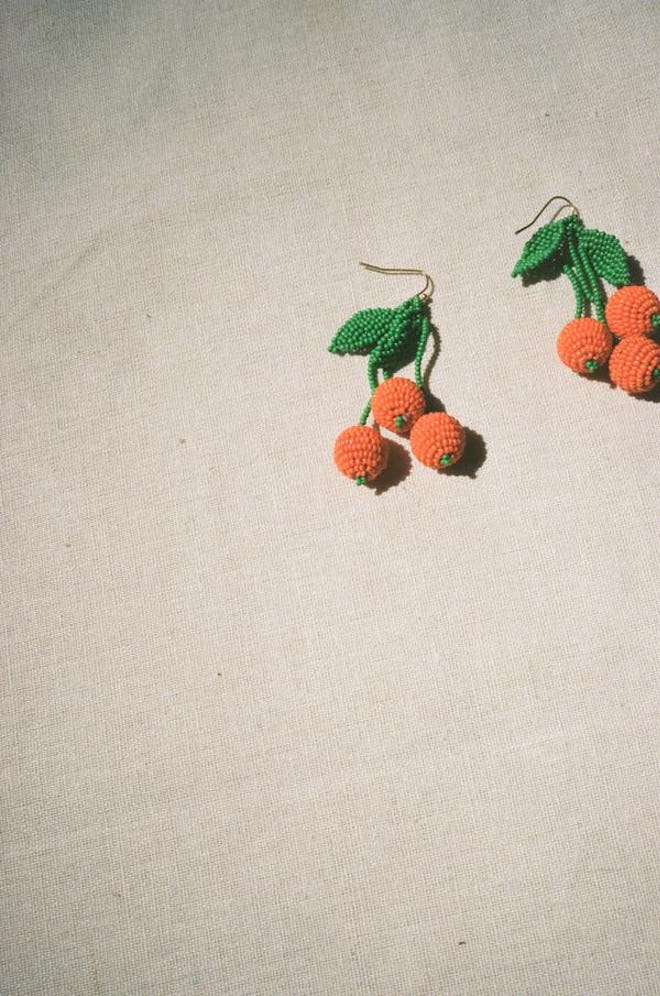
<point x="557" y="197"/>
<point x="426" y="294"/>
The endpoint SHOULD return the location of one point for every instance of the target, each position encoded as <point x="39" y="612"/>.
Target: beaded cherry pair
<point x="391" y="337"/>
<point x="614" y="332"/>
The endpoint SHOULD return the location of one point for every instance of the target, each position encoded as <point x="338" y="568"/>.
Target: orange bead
<point x="631" y="310"/>
<point x="437" y="440"/>
<point x="397" y="403"/>
<point x="635" y="364"/>
<point x="360" y="453"/>
<point x="584" y="345"/>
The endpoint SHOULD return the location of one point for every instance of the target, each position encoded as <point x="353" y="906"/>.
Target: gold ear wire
<point x="426" y="294"/>
<point x="557" y="197"/>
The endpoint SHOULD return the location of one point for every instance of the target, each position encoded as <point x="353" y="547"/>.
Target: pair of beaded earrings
<point x="612" y="331"/>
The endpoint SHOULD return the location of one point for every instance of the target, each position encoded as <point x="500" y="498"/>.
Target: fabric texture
<point x="266" y="732"/>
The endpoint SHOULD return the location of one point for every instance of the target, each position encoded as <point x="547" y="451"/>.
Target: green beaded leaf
<point x="362" y="331"/>
<point x="542" y="246"/>
<point x="607" y="255"/>
<point x="392" y="346"/>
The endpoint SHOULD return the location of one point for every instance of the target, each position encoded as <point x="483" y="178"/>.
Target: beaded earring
<point x="614" y="330"/>
<point x="391" y="337"/>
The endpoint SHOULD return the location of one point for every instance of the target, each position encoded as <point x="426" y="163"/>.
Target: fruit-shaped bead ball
<point x="397" y="403"/>
<point x="437" y="440"/>
<point x="360" y="453"/>
<point x="584" y="345"/>
<point x="635" y="364"/>
<point x="631" y="311"/>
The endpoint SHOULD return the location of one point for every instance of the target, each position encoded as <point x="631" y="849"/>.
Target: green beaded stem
<point x="421" y="349"/>
<point x="578" y="266"/>
<point x="598" y="298"/>
<point x="365" y="414"/>
<point x="372" y="372"/>
<point x="373" y="384"/>
<point x="585" y="275"/>
<point x="577" y="290"/>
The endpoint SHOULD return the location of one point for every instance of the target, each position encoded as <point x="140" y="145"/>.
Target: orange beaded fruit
<point x="360" y="453"/>
<point x="631" y="311"/>
<point x="397" y="403"/>
<point x="437" y="440"/>
<point x="584" y="345"/>
<point x="635" y="364"/>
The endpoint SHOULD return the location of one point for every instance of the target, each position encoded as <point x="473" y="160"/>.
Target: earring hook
<point x="429" y="286"/>
<point x="557" y="197"/>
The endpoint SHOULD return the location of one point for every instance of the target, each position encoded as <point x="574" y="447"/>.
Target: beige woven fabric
<point x="268" y="734"/>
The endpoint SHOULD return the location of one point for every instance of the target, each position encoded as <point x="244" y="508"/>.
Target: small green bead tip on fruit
<point x="360" y="480"/>
<point x="446" y="459"/>
<point x="592" y="365"/>
<point x="656" y="374"/>
<point x="399" y="421"/>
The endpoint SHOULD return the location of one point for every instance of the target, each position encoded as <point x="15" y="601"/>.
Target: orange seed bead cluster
<point x="360" y="453"/>
<point x="631" y="310"/>
<point x="397" y="403"/>
<point x="437" y="440"/>
<point x="635" y="364"/>
<point x="584" y="345"/>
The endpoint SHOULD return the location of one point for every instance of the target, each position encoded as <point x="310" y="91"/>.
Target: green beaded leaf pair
<point x="381" y="331"/>
<point x="585" y="255"/>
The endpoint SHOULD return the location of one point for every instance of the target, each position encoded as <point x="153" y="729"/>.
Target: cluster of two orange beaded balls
<point x="389" y="336"/>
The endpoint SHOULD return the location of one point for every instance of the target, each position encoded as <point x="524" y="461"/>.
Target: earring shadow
<point x="636" y="271"/>
<point x="549" y="270"/>
<point x="474" y="456"/>
<point x="399" y="465"/>
<point x="600" y="376"/>
<point x="652" y="396"/>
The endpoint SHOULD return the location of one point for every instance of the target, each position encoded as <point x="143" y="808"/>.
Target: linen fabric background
<point x="266" y="732"/>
